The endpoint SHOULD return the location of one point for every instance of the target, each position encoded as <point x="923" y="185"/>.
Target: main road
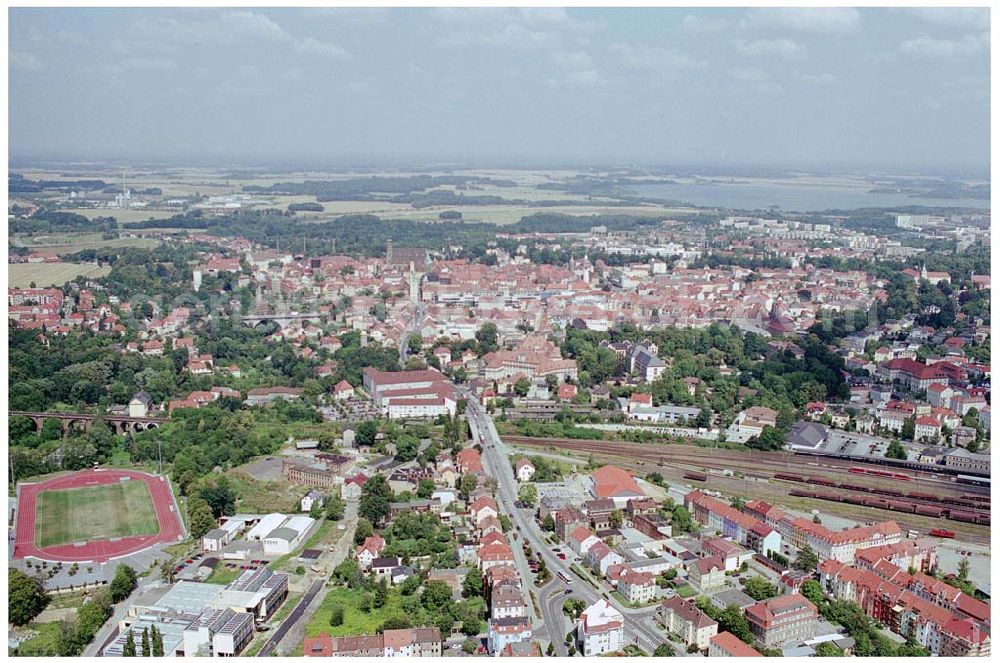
<point x="497" y="464"/>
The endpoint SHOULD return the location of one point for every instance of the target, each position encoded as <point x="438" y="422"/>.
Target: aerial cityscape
<point x="486" y="332"/>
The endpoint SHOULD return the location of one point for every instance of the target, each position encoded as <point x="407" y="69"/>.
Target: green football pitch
<point x="92" y="513"/>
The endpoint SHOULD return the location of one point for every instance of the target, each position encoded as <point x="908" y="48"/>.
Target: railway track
<point x="701" y="458"/>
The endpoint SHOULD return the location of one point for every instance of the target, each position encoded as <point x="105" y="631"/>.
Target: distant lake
<point x="791" y="197"/>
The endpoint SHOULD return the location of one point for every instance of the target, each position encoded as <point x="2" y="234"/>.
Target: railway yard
<point x="918" y="499"/>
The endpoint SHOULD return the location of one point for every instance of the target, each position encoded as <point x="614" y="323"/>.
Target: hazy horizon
<point x="889" y="90"/>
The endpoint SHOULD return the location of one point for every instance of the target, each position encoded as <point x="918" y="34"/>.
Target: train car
<point x="789" y="477"/>
<point x="972" y="480"/>
<point x="855" y="499"/>
<point x="801" y="493"/>
<point x="958" y="501"/>
<point x="983" y="519"/>
<point x="923" y="496"/>
<point x="900" y="505"/>
<point x="887" y="492"/>
<point x="942" y="533"/>
<point x="696" y="476"/>
<point x="962" y="516"/>
<point x="929" y="510"/>
<point x="820" y="481"/>
<point x="858" y="470"/>
<point x="975" y="498"/>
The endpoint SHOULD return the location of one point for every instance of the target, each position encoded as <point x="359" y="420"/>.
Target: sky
<point x="892" y="89"/>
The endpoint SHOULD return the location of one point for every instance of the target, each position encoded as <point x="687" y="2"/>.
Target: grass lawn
<point x="46" y="643"/>
<point x="94" y="512"/>
<point x="355" y="621"/>
<point x="285" y="609"/>
<point x="223" y="576"/>
<point x="686" y="592"/>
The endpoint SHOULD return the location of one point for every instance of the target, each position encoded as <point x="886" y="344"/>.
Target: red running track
<point x="101" y="551"/>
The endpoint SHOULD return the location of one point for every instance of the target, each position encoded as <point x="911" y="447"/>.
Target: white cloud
<point x="313" y="46"/>
<point x="784" y="48"/>
<point x="25" y="60"/>
<point x="574" y="60"/>
<point x="749" y="74"/>
<point x="652" y="58"/>
<point x="825" y="78"/>
<point x="233" y="28"/>
<point x="161" y="65"/>
<point x="977" y="18"/>
<point x="703" y="24"/>
<point x="931" y="47"/>
<point x="577" y="68"/>
<point x="823" y="20"/>
<point x="529" y="28"/>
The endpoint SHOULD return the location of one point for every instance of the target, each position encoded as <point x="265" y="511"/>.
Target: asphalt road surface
<point x="292" y="618"/>
<point x="638" y="625"/>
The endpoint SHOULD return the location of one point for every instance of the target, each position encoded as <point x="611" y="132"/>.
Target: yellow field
<point x="51" y="273"/>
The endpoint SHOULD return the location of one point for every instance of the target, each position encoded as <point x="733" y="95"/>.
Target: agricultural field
<point x="45" y="274"/>
<point x="123" y="216"/>
<point x="93" y="513"/>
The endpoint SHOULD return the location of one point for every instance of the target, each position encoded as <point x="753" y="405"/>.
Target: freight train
<point x="902" y="506"/>
<point x="967" y="501"/>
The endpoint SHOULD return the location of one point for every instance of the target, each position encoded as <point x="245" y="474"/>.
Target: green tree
<point x="895" y="451"/>
<point x="25" y="597"/>
<point x="521" y="387"/>
<point x="129" y="649"/>
<point x="812" y="590"/>
<point x="425" y="488"/>
<point x="157" y="641"/>
<point x="807" y="559"/>
<point x="467" y="484"/>
<point x="663" y="650"/>
<point x="381" y="594"/>
<point x="122" y="584"/>
<point x="963" y="571"/>
<point x="759" y="589"/>
<point x="828" y="649"/>
<point x="487" y="338"/>
<point x="336" y="615"/>
<point x="146" y="650"/>
<point x="528" y="494"/>
<point x="200" y="518"/>
<point x="335" y="507"/>
<point x="909" y="429"/>
<point x="376" y="496"/>
<point x="348" y="573"/>
<point x="362" y="531"/>
<point x="733" y="620"/>
<point x="414" y="344"/>
<point x="472" y="586"/>
<point x="680" y="520"/>
<point x="472" y="626"/>
<point x="436" y="595"/>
